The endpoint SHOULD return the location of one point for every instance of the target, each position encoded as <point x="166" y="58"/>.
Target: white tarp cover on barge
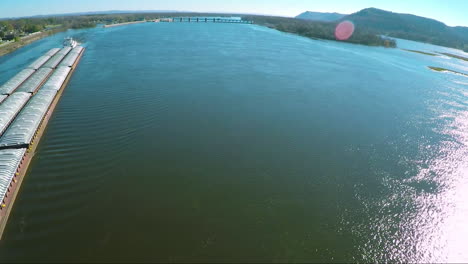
<point x="2" y="98"/>
<point x="77" y="49"/>
<point x="16" y="81"/>
<point x="57" y="78"/>
<point x="57" y="58"/>
<point x="38" y="63"/>
<point x="64" y="50"/>
<point x="10" y="108"/>
<point x="52" y="52"/>
<point x="69" y="60"/>
<point x="33" y="83"/>
<point x="71" y="57"/>
<point x="24" y="127"/>
<point x="10" y="160"/>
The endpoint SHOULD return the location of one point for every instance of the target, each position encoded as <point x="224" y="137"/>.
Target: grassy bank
<point x="446" y="70"/>
<point x="421" y="52"/>
<point x="12" y="46"/>
<point x="455" y="56"/>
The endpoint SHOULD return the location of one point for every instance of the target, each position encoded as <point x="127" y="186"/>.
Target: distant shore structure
<point x="234" y="20"/>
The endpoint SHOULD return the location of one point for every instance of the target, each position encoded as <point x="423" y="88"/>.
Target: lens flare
<point x="344" y="30"/>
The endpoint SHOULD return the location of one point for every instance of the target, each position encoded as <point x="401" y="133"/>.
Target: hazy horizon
<point x="452" y="15"/>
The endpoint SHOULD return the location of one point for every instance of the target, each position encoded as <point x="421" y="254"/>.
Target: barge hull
<point x="18" y="180"/>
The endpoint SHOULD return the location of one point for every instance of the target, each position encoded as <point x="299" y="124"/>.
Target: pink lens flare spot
<point x="344" y="30"/>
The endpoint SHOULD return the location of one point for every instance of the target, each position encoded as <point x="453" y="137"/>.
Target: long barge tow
<point x="27" y="101"/>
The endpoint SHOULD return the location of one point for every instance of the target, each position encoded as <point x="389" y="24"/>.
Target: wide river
<point x="223" y="142"/>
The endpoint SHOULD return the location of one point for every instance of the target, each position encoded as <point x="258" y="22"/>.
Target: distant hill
<point x="410" y="27"/>
<point x="317" y="16"/>
<point x="462" y="32"/>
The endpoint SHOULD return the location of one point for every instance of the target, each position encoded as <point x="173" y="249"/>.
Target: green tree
<point x="31" y="28"/>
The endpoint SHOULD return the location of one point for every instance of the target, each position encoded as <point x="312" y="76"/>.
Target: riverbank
<point x="12" y="46"/>
<point x="439" y="69"/>
<point x="420" y="52"/>
<point x="123" y="24"/>
<point x="23" y="169"/>
<point x="455" y="56"/>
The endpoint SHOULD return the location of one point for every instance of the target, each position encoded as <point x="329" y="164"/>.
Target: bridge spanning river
<point x="237" y="20"/>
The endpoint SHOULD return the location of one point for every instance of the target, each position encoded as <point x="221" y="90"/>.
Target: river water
<point x="220" y="142"/>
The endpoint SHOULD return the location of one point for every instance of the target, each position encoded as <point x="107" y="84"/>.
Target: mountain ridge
<point x="411" y="27"/>
<point x="320" y="16"/>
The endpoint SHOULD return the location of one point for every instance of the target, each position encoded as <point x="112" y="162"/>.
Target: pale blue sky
<point x="451" y="12"/>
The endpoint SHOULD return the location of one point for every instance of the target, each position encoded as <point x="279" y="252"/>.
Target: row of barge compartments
<point x="10" y="108"/>
<point x="10" y="165"/>
<point x="25" y="101"/>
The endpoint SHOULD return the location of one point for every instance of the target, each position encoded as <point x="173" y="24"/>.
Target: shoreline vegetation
<point x="455" y="56"/>
<point x="438" y="54"/>
<point x="11" y="46"/>
<point x="17" y="31"/>
<point x="320" y="30"/>
<point x="439" y="69"/>
<point x="22" y="31"/>
<point x="421" y="52"/>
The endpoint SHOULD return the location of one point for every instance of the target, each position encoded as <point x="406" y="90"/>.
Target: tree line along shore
<point x="16" y="33"/>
